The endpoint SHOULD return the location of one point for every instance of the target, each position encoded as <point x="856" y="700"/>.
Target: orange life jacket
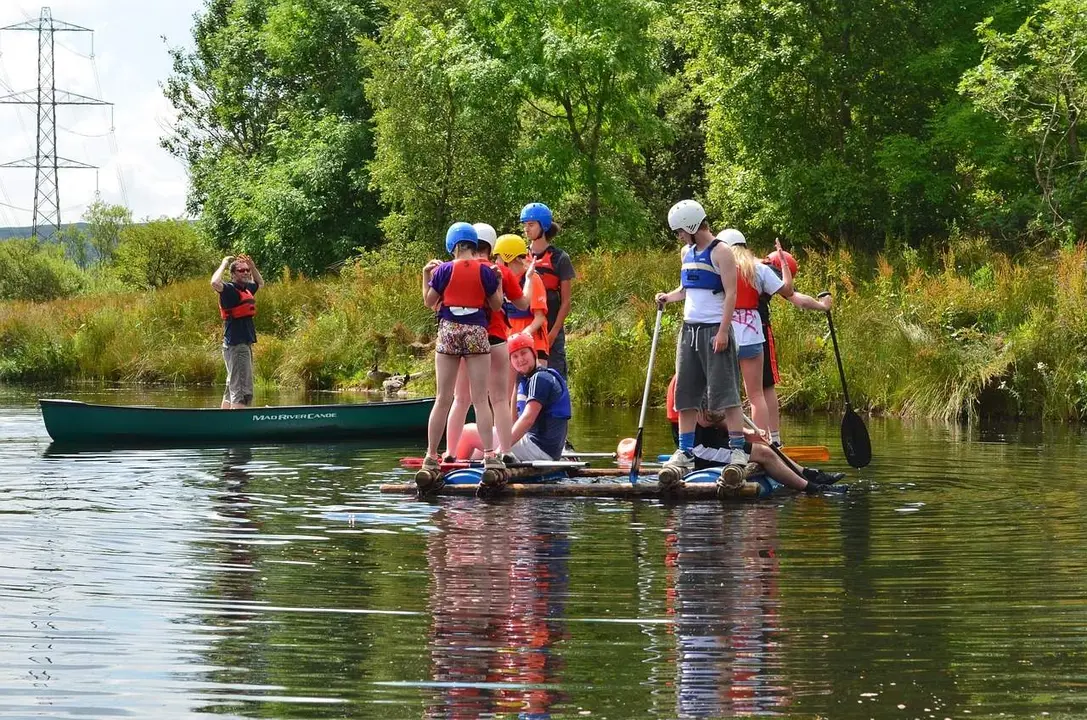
<point x="246" y="307"/>
<point x="747" y="297"/>
<point x="545" y="268"/>
<point x="465" y="288"/>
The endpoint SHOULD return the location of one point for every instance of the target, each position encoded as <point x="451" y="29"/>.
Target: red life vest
<point x="545" y="268"/>
<point x="747" y="297"/>
<point x="497" y="323"/>
<point x="465" y="288"/>
<point x="246" y="307"/>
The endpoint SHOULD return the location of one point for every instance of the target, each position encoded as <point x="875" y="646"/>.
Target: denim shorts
<point x="746" y="352"/>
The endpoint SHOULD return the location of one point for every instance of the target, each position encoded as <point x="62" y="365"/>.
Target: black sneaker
<point x="818" y="477"/>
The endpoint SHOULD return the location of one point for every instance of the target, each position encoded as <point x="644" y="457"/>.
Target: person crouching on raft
<point x="706" y="364"/>
<point x="556" y="271"/>
<point x="461" y="290"/>
<point x="512" y="252"/>
<point x="543" y="406"/>
<point x="498" y="380"/>
<point x="784" y="265"/>
<point x="711" y="451"/>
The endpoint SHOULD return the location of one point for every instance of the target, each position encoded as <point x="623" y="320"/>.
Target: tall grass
<point x="958" y="333"/>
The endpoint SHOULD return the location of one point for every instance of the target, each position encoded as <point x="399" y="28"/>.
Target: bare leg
<point x="458" y="412"/>
<point x="479" y="367"/>
<point x="689" y="418"/>
<point x="497" y="385"/>
<point x="775" y="468"/>
<point x="751" y="369"/>
<point x="773" y="423"/>
<point x="445" y="374"/>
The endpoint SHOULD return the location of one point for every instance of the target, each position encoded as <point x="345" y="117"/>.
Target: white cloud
<point x="132" y="60"/>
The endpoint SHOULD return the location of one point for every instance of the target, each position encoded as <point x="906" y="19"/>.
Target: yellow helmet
<point x="509" y="247"/>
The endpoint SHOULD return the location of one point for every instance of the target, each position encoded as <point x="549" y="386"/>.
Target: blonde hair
<point x="745" y="262"/>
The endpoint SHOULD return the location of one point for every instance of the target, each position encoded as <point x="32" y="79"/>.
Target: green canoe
<point x="69" y="421"/>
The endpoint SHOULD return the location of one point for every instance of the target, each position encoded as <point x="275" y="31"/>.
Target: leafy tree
<point x="589" y="74"/>
<point x="1034" y="82"/>
<point x="274" y="125"/>
<point x="445" y="123"/>
<point x="158" y="252"/>
<point x="76" y="244"/>
<point x="105" y="225"/>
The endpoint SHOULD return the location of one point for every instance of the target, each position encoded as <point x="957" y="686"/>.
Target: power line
<point x="46" y="163"/>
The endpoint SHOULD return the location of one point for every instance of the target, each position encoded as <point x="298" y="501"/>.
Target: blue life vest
<point x="698" y="271"/>
<point x="560" y="409"/>
<point x="513" y="313"/>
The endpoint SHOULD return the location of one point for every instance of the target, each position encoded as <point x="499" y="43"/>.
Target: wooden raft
<point x="700" y="491"/>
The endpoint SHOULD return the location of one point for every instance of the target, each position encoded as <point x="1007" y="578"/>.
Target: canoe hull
<point x="73" y="422"/>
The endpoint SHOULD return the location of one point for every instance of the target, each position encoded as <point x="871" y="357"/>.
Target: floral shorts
<point x="460" y="340"/>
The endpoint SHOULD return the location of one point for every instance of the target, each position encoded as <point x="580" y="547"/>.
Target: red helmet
<point x="775" y="259"/>
<point x="519" y="341"/>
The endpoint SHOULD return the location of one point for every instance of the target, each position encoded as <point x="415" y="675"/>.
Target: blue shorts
<point x="746" y="352"/>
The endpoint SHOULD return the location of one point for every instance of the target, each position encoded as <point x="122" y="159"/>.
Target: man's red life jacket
<point x="246" y="307"/>
<point x="545" y="268"/>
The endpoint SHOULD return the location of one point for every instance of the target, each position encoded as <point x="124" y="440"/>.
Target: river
<point x="274" y="581"/>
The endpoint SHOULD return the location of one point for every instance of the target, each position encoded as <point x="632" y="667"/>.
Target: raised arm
<point x="217" y="276"/>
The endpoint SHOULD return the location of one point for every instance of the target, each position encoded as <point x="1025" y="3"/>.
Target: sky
<point x="132" y="61"/>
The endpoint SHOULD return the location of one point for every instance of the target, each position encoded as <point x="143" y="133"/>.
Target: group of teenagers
<point x="501" y="303"/>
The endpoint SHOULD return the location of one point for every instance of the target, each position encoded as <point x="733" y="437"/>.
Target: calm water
<point x="275" y="581"/>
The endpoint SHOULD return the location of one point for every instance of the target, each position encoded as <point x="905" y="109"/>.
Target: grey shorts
<point x="239" y="374"/>
<point x="702" y="373"/>
<point x="526" y="451"/>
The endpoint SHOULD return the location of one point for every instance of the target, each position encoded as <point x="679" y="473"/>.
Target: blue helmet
<point x="538" y="212"/>
<point x="460" y="232"/>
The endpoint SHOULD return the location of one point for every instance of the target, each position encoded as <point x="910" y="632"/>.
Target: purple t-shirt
<point x="440" y="280"/>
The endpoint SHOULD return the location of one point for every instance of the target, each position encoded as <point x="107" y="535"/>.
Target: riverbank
<point x="964" y="332"/>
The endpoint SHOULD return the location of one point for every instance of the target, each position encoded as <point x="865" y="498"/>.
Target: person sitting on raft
<point x="543" y="408"/>
<point x="461" y="291"/>
<point x="711" y="450"/>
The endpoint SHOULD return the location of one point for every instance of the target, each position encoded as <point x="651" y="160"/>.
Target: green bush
<point x="163" y="251"/>
<point x="30" y="270"/>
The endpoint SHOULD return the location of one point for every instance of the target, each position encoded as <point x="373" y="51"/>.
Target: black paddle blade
<point x="855" y="442"/>
<point x="636" y="461"/>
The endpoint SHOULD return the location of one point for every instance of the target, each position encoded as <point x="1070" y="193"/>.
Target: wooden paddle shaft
<point x="649" y="373"/>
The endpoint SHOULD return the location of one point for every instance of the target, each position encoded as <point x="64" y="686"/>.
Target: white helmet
<point x="486" y="233"/>
<point x="730" y="237"/>
<point x="686" y="215"/>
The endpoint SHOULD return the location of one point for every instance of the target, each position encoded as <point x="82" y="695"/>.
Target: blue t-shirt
<point x="440" y="280"/>
<point x="549" y="430"/>
<point x="237" y="331"/>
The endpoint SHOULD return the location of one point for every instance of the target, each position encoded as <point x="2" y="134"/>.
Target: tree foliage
<point x="274" y="125"/>
<point x="158" y="252"/>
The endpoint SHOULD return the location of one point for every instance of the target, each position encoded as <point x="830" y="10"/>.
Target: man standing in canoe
<point x="237" y="307"/>
<point x="706" y="362"/>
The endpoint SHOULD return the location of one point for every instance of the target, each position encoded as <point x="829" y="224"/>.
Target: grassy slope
<point x="974" y="331"/>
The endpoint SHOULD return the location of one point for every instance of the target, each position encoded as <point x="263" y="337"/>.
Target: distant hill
<point x="6" y="233"/>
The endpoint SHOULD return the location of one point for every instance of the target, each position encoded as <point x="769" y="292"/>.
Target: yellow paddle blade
<point x="807" y="453"/>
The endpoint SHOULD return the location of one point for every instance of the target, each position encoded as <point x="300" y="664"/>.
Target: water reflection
<point x="498" y="583"/>
<point x="723" y="589"/>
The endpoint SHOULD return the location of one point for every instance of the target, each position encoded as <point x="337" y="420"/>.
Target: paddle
<point x="855" y="442"/>
<point x="636" y="461"/>
<point x="777" y="451"/>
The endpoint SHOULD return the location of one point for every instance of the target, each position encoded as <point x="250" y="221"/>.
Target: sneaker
<point x="818" y="477"/>
<point x="509" y="459"/>
<point x="449" y="458"/>
<point x="682" y="460"/>
<point x="431" y="463"/>
<point x="493" y="462"/>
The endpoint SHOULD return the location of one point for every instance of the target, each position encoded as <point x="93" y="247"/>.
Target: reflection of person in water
<point x="233" y="507"/>
<point x="498" y="581"/>
<point x="723" y="589"/>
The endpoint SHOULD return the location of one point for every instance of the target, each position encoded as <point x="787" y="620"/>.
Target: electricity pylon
<point x="45" y="162"/>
